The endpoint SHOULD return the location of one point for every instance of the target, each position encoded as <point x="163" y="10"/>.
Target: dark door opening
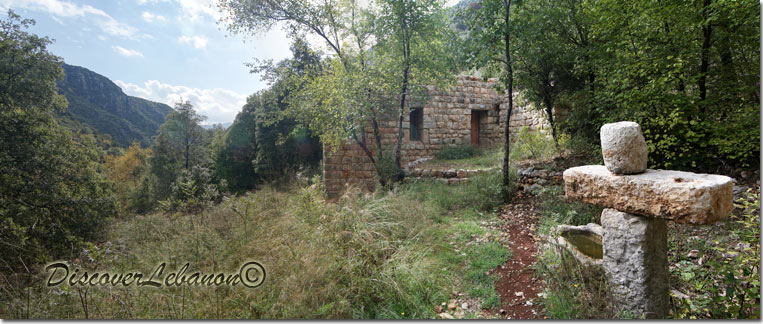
<point x="416" y="122"/>
<point x="475" y="127"/>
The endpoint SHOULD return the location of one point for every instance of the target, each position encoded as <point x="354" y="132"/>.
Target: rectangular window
<point x="417" y="120"/>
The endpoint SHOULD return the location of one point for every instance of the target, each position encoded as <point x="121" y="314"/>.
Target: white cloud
<point x="191" y="10"/>
<point x="66" y="9"/>
<point x="58" y="20"/>
<point x="127" y="52"/>
<point x="198" y="42"/>
<point x="196" y="9"/>
<point x="151" y="17"/>
<point x="219" y="105"/>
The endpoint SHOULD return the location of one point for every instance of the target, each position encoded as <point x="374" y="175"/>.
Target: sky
<point x="160" y="50"/>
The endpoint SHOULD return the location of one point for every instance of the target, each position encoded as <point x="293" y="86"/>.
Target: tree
<point x="52" y="198"/>
<point x="545" y="62"/>
<point x="265" y="140"/>
<point x="178" y="146"/>
<point x="126" y="170"/>
<point x="29" y="71"/>
<point x="335" y="101"/>
<point x="489" y="43"/>
<point x="411" y="41"/>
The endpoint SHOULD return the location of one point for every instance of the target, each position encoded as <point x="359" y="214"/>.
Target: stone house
<point x="471" y="112"/>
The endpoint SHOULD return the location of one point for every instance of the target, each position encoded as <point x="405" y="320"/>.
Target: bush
<point x="532" y="145"/>
<point x="193" y="191"/>
<point x="728" y="284"/>
<point x="387" y="169"/>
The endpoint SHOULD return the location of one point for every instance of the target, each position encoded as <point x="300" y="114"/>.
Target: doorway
<point x="476" y="114"/>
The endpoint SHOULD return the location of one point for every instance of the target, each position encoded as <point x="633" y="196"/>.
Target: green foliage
<point x="386" y="168"/>
<point x="234" y="159"/>
<point x="728" y="284"/>
<point x="193" y="191"/>
<point x="556" y="210"/>
<point x="265" y="142"/>
<point x="180" y="145"/>
<point x="674" y="67"/>
<point x="29" y="71"/>
<point x="482" y="259"/>
<point x="335" y="99"/>
<point x="458" y="152"/>
<point x="484" y="192"/>
<point x="573" y="290"/>
<point x="532" y="145"/>
<point x="482" y="158"/>
<point x="126" y="171"/>
<point x="52" y="197"/>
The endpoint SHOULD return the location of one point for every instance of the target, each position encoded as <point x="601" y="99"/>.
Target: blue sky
<point x="161" y="50"/>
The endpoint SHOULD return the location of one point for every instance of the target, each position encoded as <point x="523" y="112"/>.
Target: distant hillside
<point x="98" y="104"/>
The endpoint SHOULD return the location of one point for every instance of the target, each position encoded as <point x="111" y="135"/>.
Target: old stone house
<point x="471" y="112"/>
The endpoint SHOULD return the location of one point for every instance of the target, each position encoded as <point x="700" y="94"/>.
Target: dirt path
<point x="518" y="283"/>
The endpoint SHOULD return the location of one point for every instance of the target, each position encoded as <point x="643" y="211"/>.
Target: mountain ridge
<point x="97" y="104"/>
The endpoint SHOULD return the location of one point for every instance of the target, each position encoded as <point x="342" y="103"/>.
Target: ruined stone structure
<point x="470" y="112"/>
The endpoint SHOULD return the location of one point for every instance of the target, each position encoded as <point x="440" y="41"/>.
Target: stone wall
<point x="447" y="118"/>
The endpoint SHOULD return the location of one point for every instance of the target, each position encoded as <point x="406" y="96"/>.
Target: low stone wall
<point x="446" y="121"/>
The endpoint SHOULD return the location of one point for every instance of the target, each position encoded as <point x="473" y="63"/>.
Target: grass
<point x="527" y="145"/>
<point x="466" y="157"/>
<point x="573" y="290"/>
<point x="391" y="255"/>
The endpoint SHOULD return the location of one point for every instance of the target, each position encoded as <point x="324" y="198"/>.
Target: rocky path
<point x="518" y="283"/>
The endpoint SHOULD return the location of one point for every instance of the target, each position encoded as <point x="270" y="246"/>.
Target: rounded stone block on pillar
<point x="624" y="148"/>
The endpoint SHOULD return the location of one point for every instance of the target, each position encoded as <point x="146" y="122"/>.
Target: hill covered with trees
<point x="97" y="105"/>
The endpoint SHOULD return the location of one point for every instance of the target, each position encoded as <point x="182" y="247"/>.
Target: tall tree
<point x="545" y="62"/>
<point x="52" y="197"/>
<point x="488" y="43"/>
<point x="411" y="41"/>
<point x="178" y="146"/>
<point x="336" y="102"/>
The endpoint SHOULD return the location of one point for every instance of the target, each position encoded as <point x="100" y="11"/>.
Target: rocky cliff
<point x="97" y="104"/>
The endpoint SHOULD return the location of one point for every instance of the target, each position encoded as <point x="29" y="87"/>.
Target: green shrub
<point x="532" y="145"/>
<point x="386" y="168"/>
<point x="193" y="191"/>
<point x="728" y="284"/>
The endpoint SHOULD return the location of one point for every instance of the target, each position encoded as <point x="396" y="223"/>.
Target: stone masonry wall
<point x="446" y="122"/>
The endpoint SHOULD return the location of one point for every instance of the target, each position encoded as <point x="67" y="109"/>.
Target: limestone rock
<point x="683" y="197"/>
<point x="636" y="262"/>
<point x="624" y="148"/>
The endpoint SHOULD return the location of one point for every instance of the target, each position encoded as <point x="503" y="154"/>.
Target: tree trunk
<point x="510" y="88"/>
<point x="400" y="123"/>
<point x="377" y="136"/>
<point x="187" y="152"/>
<point x="707" y="31"/>
<point x="550" y="114"/>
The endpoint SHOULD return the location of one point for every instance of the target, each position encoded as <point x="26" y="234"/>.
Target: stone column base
<point x="636" y="262"/>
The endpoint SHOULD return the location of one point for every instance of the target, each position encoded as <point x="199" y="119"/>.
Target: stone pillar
<point x="635" y="260"/>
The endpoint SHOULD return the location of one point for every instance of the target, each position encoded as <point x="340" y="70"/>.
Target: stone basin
<point x="682" y="197"/>
<point x="585" y="242"/>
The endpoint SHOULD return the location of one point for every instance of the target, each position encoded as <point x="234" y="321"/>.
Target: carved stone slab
<point x="682" y="197"/>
